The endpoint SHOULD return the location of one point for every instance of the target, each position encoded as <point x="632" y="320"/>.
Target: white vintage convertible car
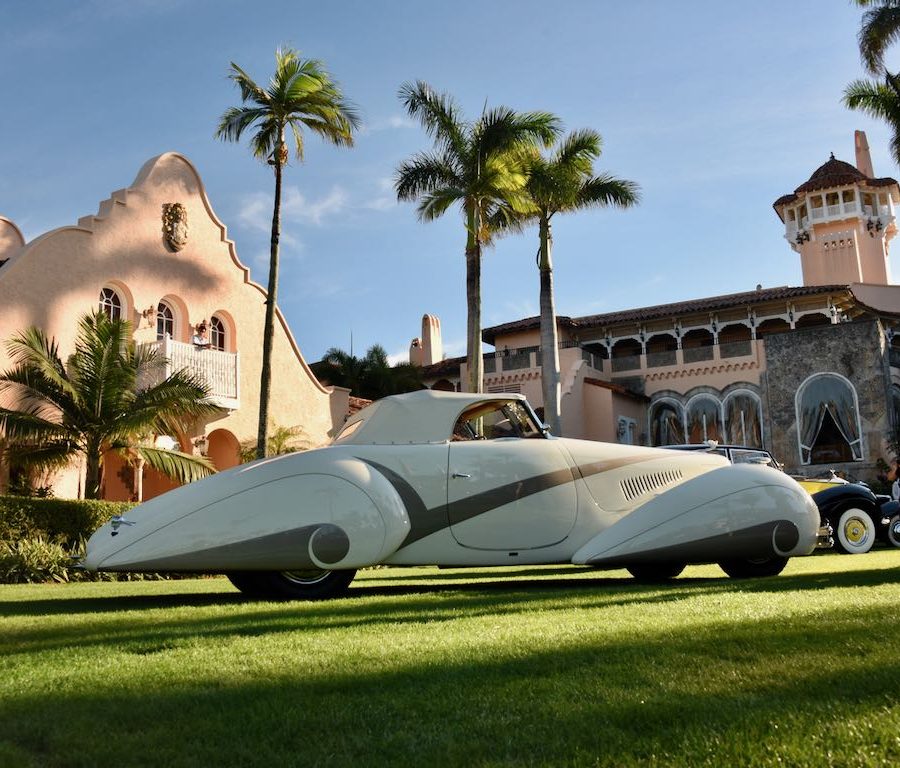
<point x="462" y="480"/>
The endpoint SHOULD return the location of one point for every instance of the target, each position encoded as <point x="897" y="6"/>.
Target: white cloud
<point x="256" y="210"/>
<point x="390" y="123"/>
<point x="295" y="205"/>
<point x="385" y="199"/>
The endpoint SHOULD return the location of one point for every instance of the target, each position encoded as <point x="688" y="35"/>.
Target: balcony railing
<point x="735" y="348"/>
<point x="697" y="354"/>
<point x="220" y="370"/>
<point x="662" y="359"/>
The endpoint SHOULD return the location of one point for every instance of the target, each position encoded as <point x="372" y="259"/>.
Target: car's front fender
<point x="321" y="509"/>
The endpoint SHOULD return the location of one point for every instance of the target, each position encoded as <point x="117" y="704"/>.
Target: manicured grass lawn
<point x="545" y="666"/>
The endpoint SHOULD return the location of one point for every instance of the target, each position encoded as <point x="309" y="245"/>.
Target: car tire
<point x="854" y="531"/>
<point x="753" y="568"/>
<point x="310" y="584"/>
<point x="652" y="573"/>
<point x="892" y="534"/>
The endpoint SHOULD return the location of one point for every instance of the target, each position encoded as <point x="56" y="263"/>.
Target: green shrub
<point x="66" y="521"/>
<point x="33" y="560"/>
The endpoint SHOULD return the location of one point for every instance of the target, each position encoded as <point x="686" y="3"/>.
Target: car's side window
<point x="494" y="420"/>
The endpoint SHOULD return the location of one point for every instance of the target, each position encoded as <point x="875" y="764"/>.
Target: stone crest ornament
<point x="175" y="225"/>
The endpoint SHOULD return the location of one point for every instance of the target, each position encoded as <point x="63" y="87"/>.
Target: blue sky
<point x="715" y="109"/>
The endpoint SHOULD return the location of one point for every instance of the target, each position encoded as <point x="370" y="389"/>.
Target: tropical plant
<point x="880" y="28"/>
<point x="878" y="100"/>
<point x="301" y="94"/>
<point x="371" y="376"/>
<point x="281" y="440"/>
<point x="563" y="183"/>
<point x="479" y="166"/>
<point x="110" y="396"/>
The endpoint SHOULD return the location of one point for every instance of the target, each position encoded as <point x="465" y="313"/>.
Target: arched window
<point x="217" y="334"/>
<point x="895" y="406"/>
<point x="666" y="423"/>
<point x="743" y="419"/>
<point x="165" y="322"/>
<point x="828" y="420"/>
<point x="704" y="419"/>
<point x="111" y="304"/>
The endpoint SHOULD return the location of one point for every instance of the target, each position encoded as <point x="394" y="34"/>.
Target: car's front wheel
<point x="854" y="532"/>
<point x="753" y="568"/>
<point x="655" y="572"/>
<point x="309" y="584"/>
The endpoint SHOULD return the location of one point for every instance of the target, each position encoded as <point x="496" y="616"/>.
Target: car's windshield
<point x="750" y="456"/>
<point x="496" y="419"/>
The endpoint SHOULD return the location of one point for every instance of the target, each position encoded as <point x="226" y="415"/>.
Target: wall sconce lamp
<point x="201" y="444"/>
<point x="802" y="236"/>
<point x="873" y="226"/>
<point x="149" y="312"/>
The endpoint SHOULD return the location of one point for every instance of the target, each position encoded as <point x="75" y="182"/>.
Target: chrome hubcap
<point x="306" y="577"/>
<point x="855" y="531"/>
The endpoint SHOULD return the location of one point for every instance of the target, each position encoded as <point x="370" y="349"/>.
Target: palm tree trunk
<point x="549" y="341"/>
<point x="474" y="360"/>
<point x="265" y="376"/>
<point x="92" y="472"/>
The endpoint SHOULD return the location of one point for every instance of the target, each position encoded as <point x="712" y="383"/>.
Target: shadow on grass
<point x="514" y="583"/>
<point x="765" y="692"/>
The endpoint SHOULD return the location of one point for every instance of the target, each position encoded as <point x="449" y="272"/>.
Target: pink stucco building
<point x="811" y="372"/>
<point x="156" y="254"/>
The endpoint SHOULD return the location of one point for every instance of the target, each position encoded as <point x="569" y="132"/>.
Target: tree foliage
<point x="111" y="395"/>
<point x="301" y="95"/>
<point x="479" y="166"/>
<point x="371" y="376"/>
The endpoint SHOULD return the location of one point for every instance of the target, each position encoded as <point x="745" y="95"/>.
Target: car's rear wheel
<point x="655" y="572"/>
<point x="307" y="584"/>
<point x="893" y="531"/>
<point x="854" y="532"/>
<point x="753" y="568"/>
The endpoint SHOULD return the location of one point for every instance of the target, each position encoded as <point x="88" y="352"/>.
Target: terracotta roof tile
<point x="644" y="314"/>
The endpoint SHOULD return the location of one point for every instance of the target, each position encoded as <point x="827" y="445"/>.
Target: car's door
<point x="508" y="492"/>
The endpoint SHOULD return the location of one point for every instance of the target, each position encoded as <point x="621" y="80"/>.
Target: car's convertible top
<point x="426" y="416"/>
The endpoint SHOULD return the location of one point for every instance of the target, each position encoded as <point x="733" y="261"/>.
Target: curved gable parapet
<point x="157" y="165"/>
<point x="11" y="237"/>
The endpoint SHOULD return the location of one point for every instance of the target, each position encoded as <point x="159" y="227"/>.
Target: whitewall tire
<point x="854" y="533"/>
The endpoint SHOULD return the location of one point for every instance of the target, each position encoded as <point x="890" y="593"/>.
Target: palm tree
<point x="880" y="28"/>
<point x="301" y="94"/>
<point x="478" y="165"/>
<point x="562" y="183"/>
<point x="371" y="376"/>
<point x="108" y="397"/>
<point x="878" y="100"/>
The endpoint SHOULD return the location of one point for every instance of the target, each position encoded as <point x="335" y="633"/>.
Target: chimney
<point x="432" y="346"/>
<point x="863" y="158"/>
<point x="415" y="352"/>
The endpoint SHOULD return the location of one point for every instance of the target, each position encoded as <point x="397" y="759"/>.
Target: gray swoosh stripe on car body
<point x="274" y="551"/>
<point x="761" y="540"/>
<point x="425" y="521"/>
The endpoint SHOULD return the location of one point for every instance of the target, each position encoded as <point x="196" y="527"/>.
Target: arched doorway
<point x="223" y="449"/>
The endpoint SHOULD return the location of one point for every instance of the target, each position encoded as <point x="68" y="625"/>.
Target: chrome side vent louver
<point x="641" y="485"/>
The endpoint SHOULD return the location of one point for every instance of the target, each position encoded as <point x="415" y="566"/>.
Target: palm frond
<point x="182" y="467"/>
<point x="433" y="205"/>
<point x="438" y="113"/>
<point x="501" y="129"/>
<point x="424" y="173"/>
<point x="879" y="30"/>
<point x="606" y="190"/>
<point x="300" y="93"/>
